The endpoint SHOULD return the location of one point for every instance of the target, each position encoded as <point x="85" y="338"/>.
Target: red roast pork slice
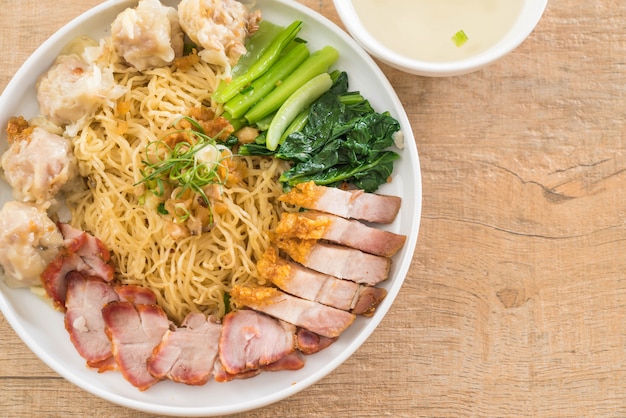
<point x="187" y="354"/>
<point x="86" y="296"/>
<point x="134" y="331"/>
<point x="251" y="340"/>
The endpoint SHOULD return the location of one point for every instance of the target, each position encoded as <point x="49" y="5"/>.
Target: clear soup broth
<point x="423" y="29"/>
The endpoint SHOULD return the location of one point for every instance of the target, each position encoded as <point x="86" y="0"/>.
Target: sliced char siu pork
<point x="336" y="260"/>
<point x="351" y="233"/>
<point x="54" y="277"/>
<point x="85" y="298"/>
<point x="310" y="343"/>
<point x="221" y="375"/>
<point x="187" y="354"/>
<point x="349" y="204"/>
<point x="81" y="252"/>
<point x="138" y="295"/>
<point x="320" y="319"/>
<point x="305" y="283"/>
<point x="134" y="331"/>
<point x="251" y="340"/>
<point x="292" y="361"/>
<point x="94" y="253"/>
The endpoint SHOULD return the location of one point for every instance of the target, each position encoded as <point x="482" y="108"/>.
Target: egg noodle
<point x="189" y="274"/>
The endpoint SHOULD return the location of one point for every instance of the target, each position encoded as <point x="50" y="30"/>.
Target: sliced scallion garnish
<point x="179" y="166"/>
<point x="460" y="38"/>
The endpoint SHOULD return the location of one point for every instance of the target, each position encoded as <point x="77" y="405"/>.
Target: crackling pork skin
<point x="349" y="204"/>
<point x="336" y="260"/>
<point x="351" y="233"/>
<point x="302" y="282"/>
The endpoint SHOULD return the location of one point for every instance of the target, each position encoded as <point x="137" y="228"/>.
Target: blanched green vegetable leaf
<point x="366" y="176"/>
<point x="345" y="140"/>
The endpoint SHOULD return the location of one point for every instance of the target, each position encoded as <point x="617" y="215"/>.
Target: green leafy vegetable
<point x="227" y="90"/>
<point x="299" y="100"/>
<point x="256" y="46"/>
<point x="227" y="307"/>
<point x="317" y="63"/>
<point x="161" y="209"/>
<point x="298" y="124"/>
<point x="243" y="101"/>
<point x="188" y="48"/>
<point x="305" y="114"/>
<point x="344" y="140"/>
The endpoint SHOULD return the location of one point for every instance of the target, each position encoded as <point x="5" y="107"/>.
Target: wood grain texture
<point x="516" y="299"/>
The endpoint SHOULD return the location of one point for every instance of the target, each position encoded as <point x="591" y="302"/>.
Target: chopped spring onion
<point x="183" y="165"/>
<point x="460" y="38"/>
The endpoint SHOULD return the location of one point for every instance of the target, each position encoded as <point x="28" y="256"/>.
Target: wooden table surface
<point x="516" y="299"/>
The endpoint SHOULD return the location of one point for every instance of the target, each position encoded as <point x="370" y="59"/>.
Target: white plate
<point x="42" y="329"/>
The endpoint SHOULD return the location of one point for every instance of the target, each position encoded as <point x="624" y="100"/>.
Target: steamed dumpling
<point x="148" y="36"/>
<point x="29" y="241"/>
<point x="38" y="166"/>
<point x="219" y="27"/>
<point x="74" y="89"/>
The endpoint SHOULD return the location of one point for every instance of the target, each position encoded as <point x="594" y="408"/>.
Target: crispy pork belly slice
<point x="309" y="284"/>
<point x="351" y="233"/>
<point x="86" y="296"/>
<point x="187" y="354"/>
<point x="350" y="204"/>
<point x="92" y="250"/>
<point x="134" y="331"/>
<point x="321" y="319"/>
<point x="336" y="260"/>
<point x="310" y="343"/>
<point x="251" y="340"/>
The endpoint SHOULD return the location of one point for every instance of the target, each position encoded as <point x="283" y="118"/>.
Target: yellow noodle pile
<point x="193" y="273"/>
